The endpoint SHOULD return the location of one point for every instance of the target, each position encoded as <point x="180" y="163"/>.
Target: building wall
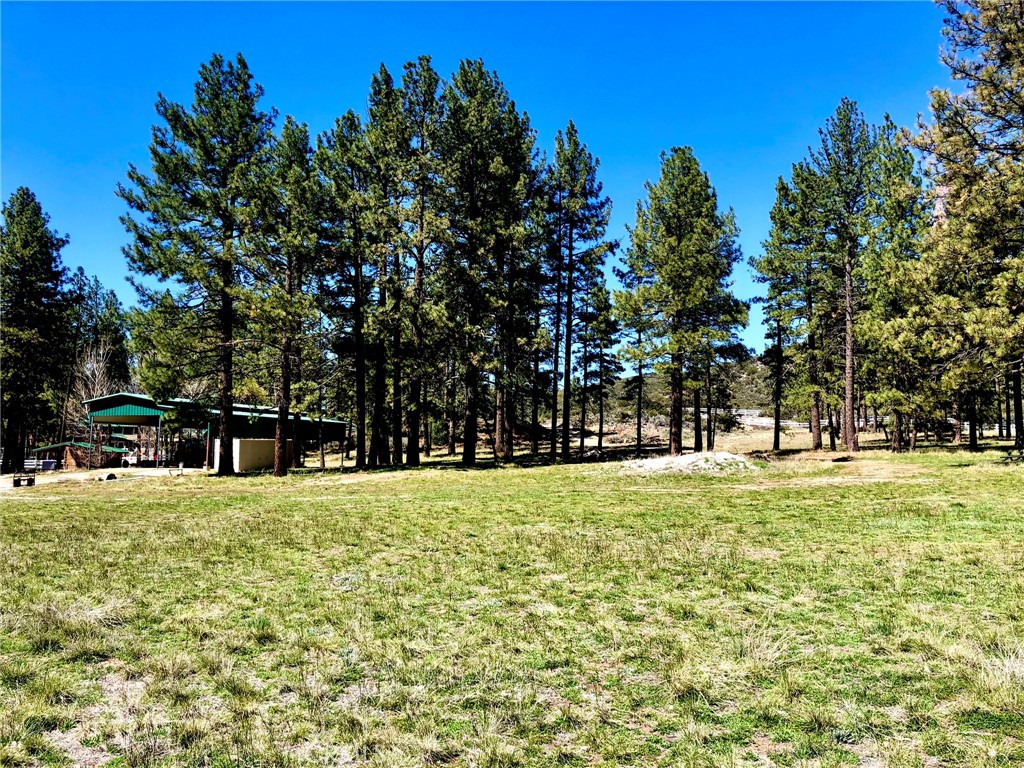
<point x="250" y="455"/>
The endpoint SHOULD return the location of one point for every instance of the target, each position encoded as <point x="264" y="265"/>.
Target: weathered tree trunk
<point x="469" y="428"/>
<point x="958" y="426"/>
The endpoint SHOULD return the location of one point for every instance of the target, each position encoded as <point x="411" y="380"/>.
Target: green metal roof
<point x="59" y="445"/>
<point x="86" y="446"/>
<point x="128" y="409"/>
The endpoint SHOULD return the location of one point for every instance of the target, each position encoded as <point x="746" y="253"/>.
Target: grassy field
<point x="867" y="613"/>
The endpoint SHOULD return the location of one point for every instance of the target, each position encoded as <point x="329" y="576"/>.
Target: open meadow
<point x="868" y="612"/>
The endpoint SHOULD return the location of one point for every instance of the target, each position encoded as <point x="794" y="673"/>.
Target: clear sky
<point x="745" y="84"/>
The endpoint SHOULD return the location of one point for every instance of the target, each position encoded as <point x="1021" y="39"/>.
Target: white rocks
<point x="691" y="463"/>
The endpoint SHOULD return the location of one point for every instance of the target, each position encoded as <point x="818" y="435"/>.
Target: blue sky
<point x="745" y="84"/>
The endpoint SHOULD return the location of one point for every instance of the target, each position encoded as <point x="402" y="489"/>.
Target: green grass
<point x="869" y="613"/>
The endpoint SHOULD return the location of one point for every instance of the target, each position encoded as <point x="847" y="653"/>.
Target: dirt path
<point x="131" y="473"/>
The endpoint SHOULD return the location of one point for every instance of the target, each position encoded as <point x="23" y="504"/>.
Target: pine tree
<point x="422" y="113"/>
<point x="293" y="236"/>
<point x="342" y="160"/>
<point x="844" y="167"/>
<point x="686" y="248"/>
<point x="582" y="214"/>
<point x="976" y="143"/>
<point x="488" y="176"/>
<point x="34" y="315"/>
<point x="198" y="213"/>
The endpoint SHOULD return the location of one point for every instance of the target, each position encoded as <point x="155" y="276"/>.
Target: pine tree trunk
<point x="225" y="363"/>
<point x="1018" y="410"/>
<point x="675" y="425"/>
<point x="449" y="406"/>
<point x="359" y="338"/>
<point x="639" y="398"/>
<point x="535" y="405"/>
<point x="999" y="410"/>
<point x="469" y="429"/>
<point x="1008" y="389"/>
<point x="958" y="426"/>
<point x="414" y="416"/>
<point x="698" y="432"/>
<point x="896" y="438"/>
<point x="427" y="434"/>
<point x="508" y="425"/>
<point x="396" y="404"/>
<point x="812" y="373"/>
<point x="567" y="373"/>
<point x="284" y="400"/>
<point x="831" y="430"/>
<point x="849" y="412"/>
<point x="555" y="371"/>
<point x="583" y="402"/>
<point x="600" y="401"/>
<point x="777" y="388"/>
<point x="379" y="450"/>
<point x="710" y="420"/>
<point x="298" y="441"/>
<point x="501" y="438"/>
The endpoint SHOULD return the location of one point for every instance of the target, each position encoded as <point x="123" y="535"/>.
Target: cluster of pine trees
<point x="421" y="269"/>
<point x="63" y="337"/>
<point x="887" y="294"/>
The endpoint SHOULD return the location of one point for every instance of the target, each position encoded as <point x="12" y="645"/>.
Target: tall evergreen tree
<point x="686" y="248"/>
<point x="199" y="211"/>
<point x="583" y="214"/>
<point x="976" y="143"/>
<point x="34" y="315"/>
<point x="844" y="165"/>
<point x="488" y="173"/>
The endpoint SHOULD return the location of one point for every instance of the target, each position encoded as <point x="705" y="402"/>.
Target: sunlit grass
<point x="869" y="612"/>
